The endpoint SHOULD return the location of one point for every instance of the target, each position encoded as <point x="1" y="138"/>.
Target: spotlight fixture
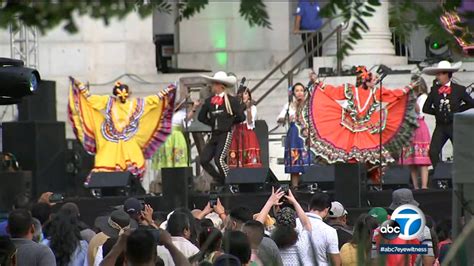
<point x="16" y="81"/>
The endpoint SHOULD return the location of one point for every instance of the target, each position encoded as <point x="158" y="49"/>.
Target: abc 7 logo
<point x="407" y="223"/>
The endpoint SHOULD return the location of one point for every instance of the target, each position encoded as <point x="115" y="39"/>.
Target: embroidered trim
<point x="223" y="165"/>
<point x="108" y="130"/>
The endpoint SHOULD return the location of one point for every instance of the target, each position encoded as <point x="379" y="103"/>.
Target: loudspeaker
<point x="464" y="146"/>
<point x="40" y="106"/>
<point x="175" y="182"/>
<point x="115" y="184"/>
<point x="351" y="184"/>
<point x="78" y="166"/>
<point x="251" y="179"/>
<point x="442" y="175"/>
<point x="13" y="184"/>
<point x="39" y="147"/>
<point x="320" y="174"/>
<point x="261" y="130"/>
<point x="395" y="177"/>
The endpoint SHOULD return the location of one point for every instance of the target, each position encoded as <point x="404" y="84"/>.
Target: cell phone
<point x="213" y="199"/>
<point x="285" y="188"/>
<point x="56" y="198"/>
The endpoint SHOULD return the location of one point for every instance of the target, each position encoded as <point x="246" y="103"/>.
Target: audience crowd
<point x="284" y="232"/>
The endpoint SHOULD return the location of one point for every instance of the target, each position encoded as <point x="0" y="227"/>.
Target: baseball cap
<point x="337" y="210"/>
<point x="379" y="213"/>
<point x="132" y="206"/>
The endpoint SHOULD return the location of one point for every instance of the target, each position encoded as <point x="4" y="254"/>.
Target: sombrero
<point x="442" y="66"/>
<point x="221" y="77"/>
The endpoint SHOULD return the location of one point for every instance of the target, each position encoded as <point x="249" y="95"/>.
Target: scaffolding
<point x="24" y="45"/>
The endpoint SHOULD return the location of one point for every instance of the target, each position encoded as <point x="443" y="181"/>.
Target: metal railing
<point x="309" y="39"/>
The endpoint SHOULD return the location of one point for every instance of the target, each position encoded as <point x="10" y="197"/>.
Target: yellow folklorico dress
<point x="120" y="135"/>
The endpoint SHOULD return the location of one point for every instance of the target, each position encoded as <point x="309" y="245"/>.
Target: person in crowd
<point x="106" y="248"/>
<point x="255" y="232"/>
<point x="110" y="226"/>
<point x="38" y="235"/>
<point x="400" y="197"/>
<point x="86" y="233"/>
<point x="245" y="149"/>
<point x="227" y="260"/>
<point x="210" y="242"/>
<point x="7" y="252"/>
<point x="292" y="245"/>
<point x="443" y="230"/>
<point x="416" y="155"/>
<point x="41" y="211"/>
<point x="346" y="122"/>
<point x="337" y="218"/>
<point x="140" y="212"/>
<point x="324" y="242"/>
<point x="444" y="100"/>
<point x="21" y="229"/>
<point x="174" y="152"/>
<point x="380" y="214"/>
<point x="139" y="248"/>
<point x="193" y="225"/>
<point x="64" y="239"/>
<point x="130" y="128"/>
<point x="309" y="20"/>
<point x="357" y="250"/>
<point x="297" y="155"/>
<point x="179" y="228"/>
<point x="220" y="112"/>
<point x="268" y="250"/>
<point x="237" y="243"/>
<point x="21" y="201"/>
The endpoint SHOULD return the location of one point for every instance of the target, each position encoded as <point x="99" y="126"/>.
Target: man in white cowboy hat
<point x="220" y="111"/>
<point x="444" y="100"/>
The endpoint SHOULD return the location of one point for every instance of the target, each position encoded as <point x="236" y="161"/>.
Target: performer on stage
<point x="444" y="100"/>
<point x="220" y="112"/>
<point x="174" y="152"/>
<point x="245" y="149"/>
<point x="120" y="131"/>
<point x="297" y="155"/>
<point x="416" y="154"/>
<point x="346" y="122"/>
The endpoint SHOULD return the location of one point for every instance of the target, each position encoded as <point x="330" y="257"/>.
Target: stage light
<point x="436" y="49"/>
<point x="16" y="81"/>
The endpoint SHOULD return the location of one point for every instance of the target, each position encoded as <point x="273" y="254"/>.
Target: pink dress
<point x="417" y="152"/>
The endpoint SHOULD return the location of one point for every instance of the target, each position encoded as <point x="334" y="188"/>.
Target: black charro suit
<point x="443" y="107"/>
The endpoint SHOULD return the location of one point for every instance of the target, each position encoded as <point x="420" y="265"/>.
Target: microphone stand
<point x="383" y="71"/>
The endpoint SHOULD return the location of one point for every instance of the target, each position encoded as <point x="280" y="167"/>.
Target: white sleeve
<point x="333" y="243"/>
<point x="253" y="111"/>
<point x="421" y="101"/>
<point x="426" y="239"/>
<point x="283" y="111"/>
<point x="98" y="256"/>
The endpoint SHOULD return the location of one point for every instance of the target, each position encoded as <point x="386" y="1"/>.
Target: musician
<point x="444" y="100"/>
<point x="220" y="112"/>
<point x="174" y="152"/>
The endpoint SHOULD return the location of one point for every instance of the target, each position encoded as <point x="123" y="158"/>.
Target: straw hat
<point x="442" y="66"/>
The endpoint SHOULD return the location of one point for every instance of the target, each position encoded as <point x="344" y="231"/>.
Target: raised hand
<point x="276" y="196"/>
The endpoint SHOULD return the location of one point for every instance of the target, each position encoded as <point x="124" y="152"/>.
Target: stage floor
<point x="436" y="203"/>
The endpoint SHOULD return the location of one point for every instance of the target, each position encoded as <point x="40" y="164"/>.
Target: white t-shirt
<point x="420" y="101"/>
<point x="323" y="237"/>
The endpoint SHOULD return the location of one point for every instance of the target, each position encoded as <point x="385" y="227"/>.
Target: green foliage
<point x="353" y="11"/>
<point x="254" y="11"/>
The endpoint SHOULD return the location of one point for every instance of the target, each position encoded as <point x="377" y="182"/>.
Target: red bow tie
<point x="444" y="90"/>
<point x="217" y="100"/>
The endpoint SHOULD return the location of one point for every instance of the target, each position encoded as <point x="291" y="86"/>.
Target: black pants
<point x="217" y="148"/>
<point x="441" y="134"/>
<point x="311" y="44"/>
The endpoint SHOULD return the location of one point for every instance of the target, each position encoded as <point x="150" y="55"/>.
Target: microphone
<point x="383" y="71"/>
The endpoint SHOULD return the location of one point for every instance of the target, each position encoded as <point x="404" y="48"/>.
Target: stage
<point x="434" y="202"/>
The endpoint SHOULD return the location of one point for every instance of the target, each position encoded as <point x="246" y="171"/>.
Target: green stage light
<point x="435" y="45"/>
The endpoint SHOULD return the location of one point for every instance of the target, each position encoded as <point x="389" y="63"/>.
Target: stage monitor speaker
<point x="78" y="166"/>
<point x="39" y="147"/>
<point x="252" y="179"/>
<point x="40" y="106"/>
<point x="396" y="176"/>
<point x="442" y="175"/>
<point x="13" y="185"/>
<point x="115" y="184"/>
<point x="351" y="184"/>
<point x="463" y="154"/>
<point x="320" y="174"/>
<point x="175" y="182"/>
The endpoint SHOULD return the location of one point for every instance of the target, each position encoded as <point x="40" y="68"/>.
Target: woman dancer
<point x="297" y="155"/>
<point x="347" y="120"/>
<point x="416" y="155"/>
<point x="245" y="149"/>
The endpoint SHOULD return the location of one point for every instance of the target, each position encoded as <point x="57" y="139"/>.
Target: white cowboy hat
<point x="443" y="66"/>
<point x="221" y="77"/>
